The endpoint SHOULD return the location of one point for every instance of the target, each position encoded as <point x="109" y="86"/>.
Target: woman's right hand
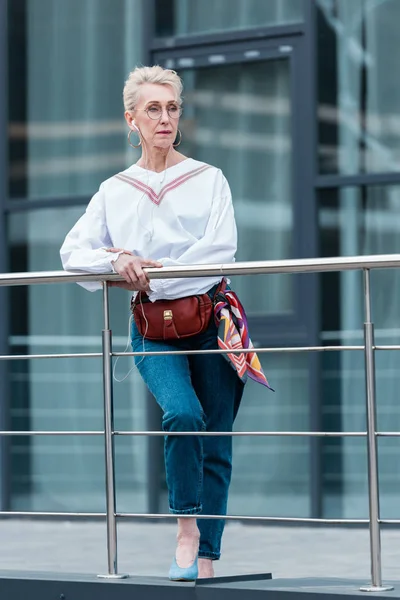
<point x="130" y="267"/>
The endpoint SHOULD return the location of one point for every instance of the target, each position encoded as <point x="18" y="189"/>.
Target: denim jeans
<point x="195" y="393"/>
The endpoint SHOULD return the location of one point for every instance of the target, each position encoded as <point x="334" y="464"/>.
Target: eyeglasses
<point x="155" y="112"/>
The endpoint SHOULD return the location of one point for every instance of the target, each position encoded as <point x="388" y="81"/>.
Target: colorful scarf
<point x="233" y="333"/>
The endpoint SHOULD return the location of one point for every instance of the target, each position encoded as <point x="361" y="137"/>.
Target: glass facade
<point x="356" y="221"/>
<point x="66" y="394"/>
<point x="245" y="111"/>
<point x="358" y="95"/>
<point x="66" y="122"/>
<point x="238" y="117"/>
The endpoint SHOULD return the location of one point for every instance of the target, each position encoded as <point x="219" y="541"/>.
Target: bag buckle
<point x="167" y="315"/>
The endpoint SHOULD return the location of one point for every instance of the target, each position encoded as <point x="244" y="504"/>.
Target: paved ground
<point x="146" y="549"/>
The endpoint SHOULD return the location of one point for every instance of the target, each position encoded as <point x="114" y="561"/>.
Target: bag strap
<point x="143" y="297"/>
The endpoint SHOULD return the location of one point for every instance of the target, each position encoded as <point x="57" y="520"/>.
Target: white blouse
<point x="181" y="216"/>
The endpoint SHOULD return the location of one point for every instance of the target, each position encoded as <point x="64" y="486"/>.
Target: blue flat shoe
<point x="177" y="573"/>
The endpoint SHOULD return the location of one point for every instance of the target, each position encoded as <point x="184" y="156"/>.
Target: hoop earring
<point x="180" y="139"/>
<point x="129" y="139"/>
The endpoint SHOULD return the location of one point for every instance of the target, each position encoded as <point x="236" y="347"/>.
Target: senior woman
<point x="168" y="209"/>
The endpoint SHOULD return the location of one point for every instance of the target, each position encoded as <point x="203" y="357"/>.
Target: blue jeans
<point x="195" y="393"/>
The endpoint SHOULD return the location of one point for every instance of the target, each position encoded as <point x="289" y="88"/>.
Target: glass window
<point x="185" y="17"/>
<point x="271" y="475"/>
<point x="68" y="63"/>
<point x="359" y="92"/>
<point x="238" y="118"/>
<point x="67" y="473"/>
<point x="359" y="221"/>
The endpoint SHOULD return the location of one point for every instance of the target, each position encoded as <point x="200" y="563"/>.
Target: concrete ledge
<point x="18" y="585"/>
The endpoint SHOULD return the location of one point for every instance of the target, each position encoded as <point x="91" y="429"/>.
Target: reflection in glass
<point x="67" y="473"/>
<point x="358" y="221"/>
<point x="66" y="394"/>
<point x="271" y="475"/>
<point x="359" y="126"/>
<point x="389" y="476"/>
<point x="66" y="75"/>
<point x="238" y="118"/>
<point x="185" y="17"/>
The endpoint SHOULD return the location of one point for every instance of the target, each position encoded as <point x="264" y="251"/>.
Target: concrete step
<point x="18" y="585"/>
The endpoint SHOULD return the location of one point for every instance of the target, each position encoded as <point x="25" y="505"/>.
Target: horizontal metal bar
<point x="16" y="514"/>
<point x="210" y="433"/>
<point x="242" y="351"/>
<point x="272" y="350"/>
<point x="67" y="515"/>
<point x="31" y="356"/>
<point x="289" y="349"/>
<point x="304" y="265"/>
<point x="249" y="518"/>
<point x="391" y="347"/>
<point x="389" y="521"/>
<point x="63" y="433"/>
<point x="292" y="349"/>
<point x="246" y="433"/>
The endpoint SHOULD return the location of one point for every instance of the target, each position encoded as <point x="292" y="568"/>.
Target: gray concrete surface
<point x="147" y="549"/>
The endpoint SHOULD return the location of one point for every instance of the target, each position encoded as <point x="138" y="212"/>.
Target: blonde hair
<point x="155" y="74"/>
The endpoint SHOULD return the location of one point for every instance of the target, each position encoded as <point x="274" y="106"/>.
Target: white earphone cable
<point x="128" y="343"/>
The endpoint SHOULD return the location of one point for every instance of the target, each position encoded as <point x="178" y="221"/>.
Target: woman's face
<point x="157" y="101"/>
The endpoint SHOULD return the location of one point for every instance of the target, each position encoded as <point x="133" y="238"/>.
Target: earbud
<point x="134" y="125"/>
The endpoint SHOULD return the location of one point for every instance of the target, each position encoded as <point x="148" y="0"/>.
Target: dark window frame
<point x="270" y="328"/>
<point x="5" y="454"/>
<point x="304" y="331"/>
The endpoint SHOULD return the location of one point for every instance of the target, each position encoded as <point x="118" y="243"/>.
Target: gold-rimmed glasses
<point x="155" y="112"/>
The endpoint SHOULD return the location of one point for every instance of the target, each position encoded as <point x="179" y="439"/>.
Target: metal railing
<point x="313" y="265"/>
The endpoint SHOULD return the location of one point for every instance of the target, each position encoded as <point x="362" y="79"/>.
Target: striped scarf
<point x="233" y="333"/>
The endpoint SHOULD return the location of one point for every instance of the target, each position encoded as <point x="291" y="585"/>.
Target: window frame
<point x="271" y="328"/>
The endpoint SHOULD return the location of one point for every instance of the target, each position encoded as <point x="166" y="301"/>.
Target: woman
<point x="168" y="209"/>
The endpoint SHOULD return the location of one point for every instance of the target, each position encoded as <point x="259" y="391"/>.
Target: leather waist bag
<point x="173" y="319"/>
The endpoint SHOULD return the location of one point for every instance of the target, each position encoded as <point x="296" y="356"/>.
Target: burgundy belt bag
<point x="171" y="319"/>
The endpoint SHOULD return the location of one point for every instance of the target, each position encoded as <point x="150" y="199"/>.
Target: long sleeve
<point x="218" y="245"/>
<point x="84" y="248"/>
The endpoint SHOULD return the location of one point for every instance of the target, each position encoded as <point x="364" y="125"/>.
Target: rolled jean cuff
<point x="210" y="555"/>
<point x="186" y="511"/>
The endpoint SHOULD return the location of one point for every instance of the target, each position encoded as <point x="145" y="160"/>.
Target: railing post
<point x="109" y="444"/>
<point x="373" y="485"/>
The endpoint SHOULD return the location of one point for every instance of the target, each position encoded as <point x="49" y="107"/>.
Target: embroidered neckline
<point x="175" y="183"/>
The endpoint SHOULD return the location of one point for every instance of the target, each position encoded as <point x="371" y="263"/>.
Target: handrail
<point x="302" y="265"/>
<point x="307" y="265"/>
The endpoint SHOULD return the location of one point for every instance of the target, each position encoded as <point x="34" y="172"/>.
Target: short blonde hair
<point x="155" y="74"/>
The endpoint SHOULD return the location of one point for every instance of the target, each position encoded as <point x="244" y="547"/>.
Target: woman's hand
<point x="130" y="267"/>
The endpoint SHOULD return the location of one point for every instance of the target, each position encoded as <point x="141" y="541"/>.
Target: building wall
<point x="296" y="101"/>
